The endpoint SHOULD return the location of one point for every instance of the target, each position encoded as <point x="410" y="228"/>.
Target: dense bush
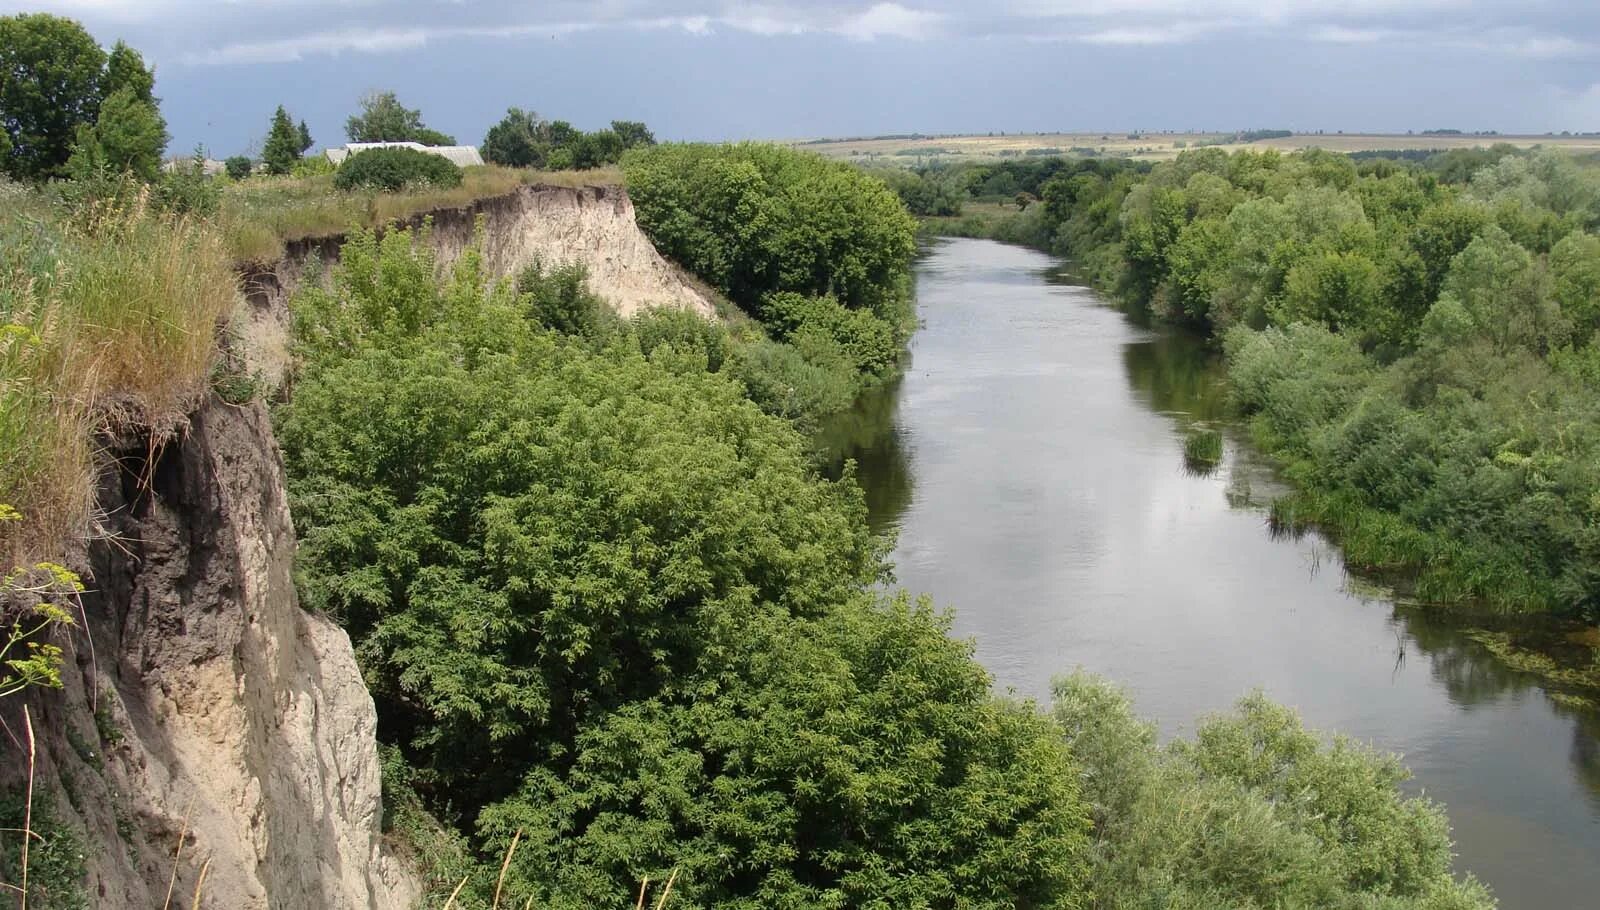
<point x="1253" y="812"/>
<point x="757" y="219"/>
<point x="560" y="299"/>
<point x="396" y="168"/>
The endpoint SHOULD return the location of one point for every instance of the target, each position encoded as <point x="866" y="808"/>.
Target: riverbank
<point x="1031" y="466"/>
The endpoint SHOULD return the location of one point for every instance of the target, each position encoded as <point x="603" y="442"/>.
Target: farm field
<point x="1154" y="145"/>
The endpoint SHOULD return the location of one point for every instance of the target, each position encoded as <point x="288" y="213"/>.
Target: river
<point x="1031" y="464"/>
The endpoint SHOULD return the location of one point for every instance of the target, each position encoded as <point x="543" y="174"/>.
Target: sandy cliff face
<point x="592" y="226"/>
<point x="205" y="701"/>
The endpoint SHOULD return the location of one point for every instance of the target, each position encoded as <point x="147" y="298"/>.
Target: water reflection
<point x="1176" y="374"/>
<point x="869" y="435"/>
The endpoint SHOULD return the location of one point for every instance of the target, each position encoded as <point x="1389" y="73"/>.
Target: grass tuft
<point x="1202" y="450"/>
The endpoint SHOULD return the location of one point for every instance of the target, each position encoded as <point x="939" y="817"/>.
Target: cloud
<point x="890" y="20"/>
<point x="211" y="31"/>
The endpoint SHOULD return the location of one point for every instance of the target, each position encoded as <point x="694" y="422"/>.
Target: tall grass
<point x="261" y="214"/>
<point x="106" y="314"/>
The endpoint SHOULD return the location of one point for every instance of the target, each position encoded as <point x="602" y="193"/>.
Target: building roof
<point x="461" y="155"/>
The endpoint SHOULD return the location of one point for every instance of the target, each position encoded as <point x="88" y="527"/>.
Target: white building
<point x="462" y="155"/>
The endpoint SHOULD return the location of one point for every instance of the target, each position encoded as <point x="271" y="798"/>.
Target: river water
<point x="1031" y="463"/>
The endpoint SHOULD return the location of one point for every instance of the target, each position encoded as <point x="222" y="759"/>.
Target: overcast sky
<point x="704" y="69"/>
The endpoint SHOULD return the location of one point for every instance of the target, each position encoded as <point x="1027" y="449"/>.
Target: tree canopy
<point x="54" y="81"/>
<point x="383" y="118"/>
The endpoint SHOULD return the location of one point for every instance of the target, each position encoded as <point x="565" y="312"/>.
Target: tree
<point x="282" y="148"/>
<point x="517" y="140"/>
<point x="50" y="84"/>
<point x="1575" y="276"/>
<point x="632" y="133"/>
<point x="597" y="149"/>
<point x="384" y="119"/>
<point x="130" y="135"/>
<point x="305" y="138"/>
<point x="125" y="69"/>
<point x="1503" y="292"/>
<point x="238" y="167"/>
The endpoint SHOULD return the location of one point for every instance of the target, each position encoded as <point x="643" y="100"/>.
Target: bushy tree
<point x="51" y="75"/>
<point x="516" y="141"/>
<point x="632" y="133"/>
<point x="129" y="136"/>
<point x="1504" y="294"/>
<point x="754" y="219"/>
<point x="304" y="134"/>
<point x="383" y="118"/>
<point x="238" y="167"/>
<point x="282" y="148"/>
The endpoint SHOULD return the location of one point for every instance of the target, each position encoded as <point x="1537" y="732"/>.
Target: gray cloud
<point x="211" y="33"/>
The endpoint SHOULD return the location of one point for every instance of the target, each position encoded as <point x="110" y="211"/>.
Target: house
<point x="461" y="155"/>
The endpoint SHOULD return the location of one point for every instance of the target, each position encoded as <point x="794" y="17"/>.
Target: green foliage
<point x="685" y="333"/>
<point x="560" y="299"/>
<point x="238" y="167"/>
<point x="186" y="188"/>
<point x="857" y="760"/>
<point x="523" y="139"/>
<point x="395" y="169"/>
<point x="1202" y="449"/>
<point x="817" y="252"/>
<point x="53" y="72"/>
<point x="303" y="133"/>
<point x="125" y="70"/>
<point x="384" y="119"/>
<point x="603" y="600"/>
<point x="128" y="137"/>
<point x="282" y="148"/>
<point x="56" y="867"/>
<point x="756" y="219"/>
<point x="1254" y="812"/>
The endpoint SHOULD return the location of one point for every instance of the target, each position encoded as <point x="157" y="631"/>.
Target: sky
<point x="712" y="70"/>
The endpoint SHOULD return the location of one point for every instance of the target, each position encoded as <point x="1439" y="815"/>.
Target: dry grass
<point x="106" y="315"/>
<point x="1154" y="146"/>
<point x="261" y="214"/>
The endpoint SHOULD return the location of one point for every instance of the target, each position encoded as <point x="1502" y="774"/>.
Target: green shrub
<point x="239" y="167"/>
<point x="1253" y="812"/>
<point x="560" y="299"/>
<point x="395" y="169"/>
<point x="684" y="332"/>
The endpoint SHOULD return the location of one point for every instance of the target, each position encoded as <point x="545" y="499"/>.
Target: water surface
<point x="1031" y="463"/>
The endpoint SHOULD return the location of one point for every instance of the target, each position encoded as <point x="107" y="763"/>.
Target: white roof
<point x="462" y="155"/>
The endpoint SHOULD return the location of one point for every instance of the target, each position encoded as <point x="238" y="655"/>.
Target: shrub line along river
<point x="1031" y="464"/>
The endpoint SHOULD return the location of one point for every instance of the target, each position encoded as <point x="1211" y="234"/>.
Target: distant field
<point x="1151" y="145"/>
